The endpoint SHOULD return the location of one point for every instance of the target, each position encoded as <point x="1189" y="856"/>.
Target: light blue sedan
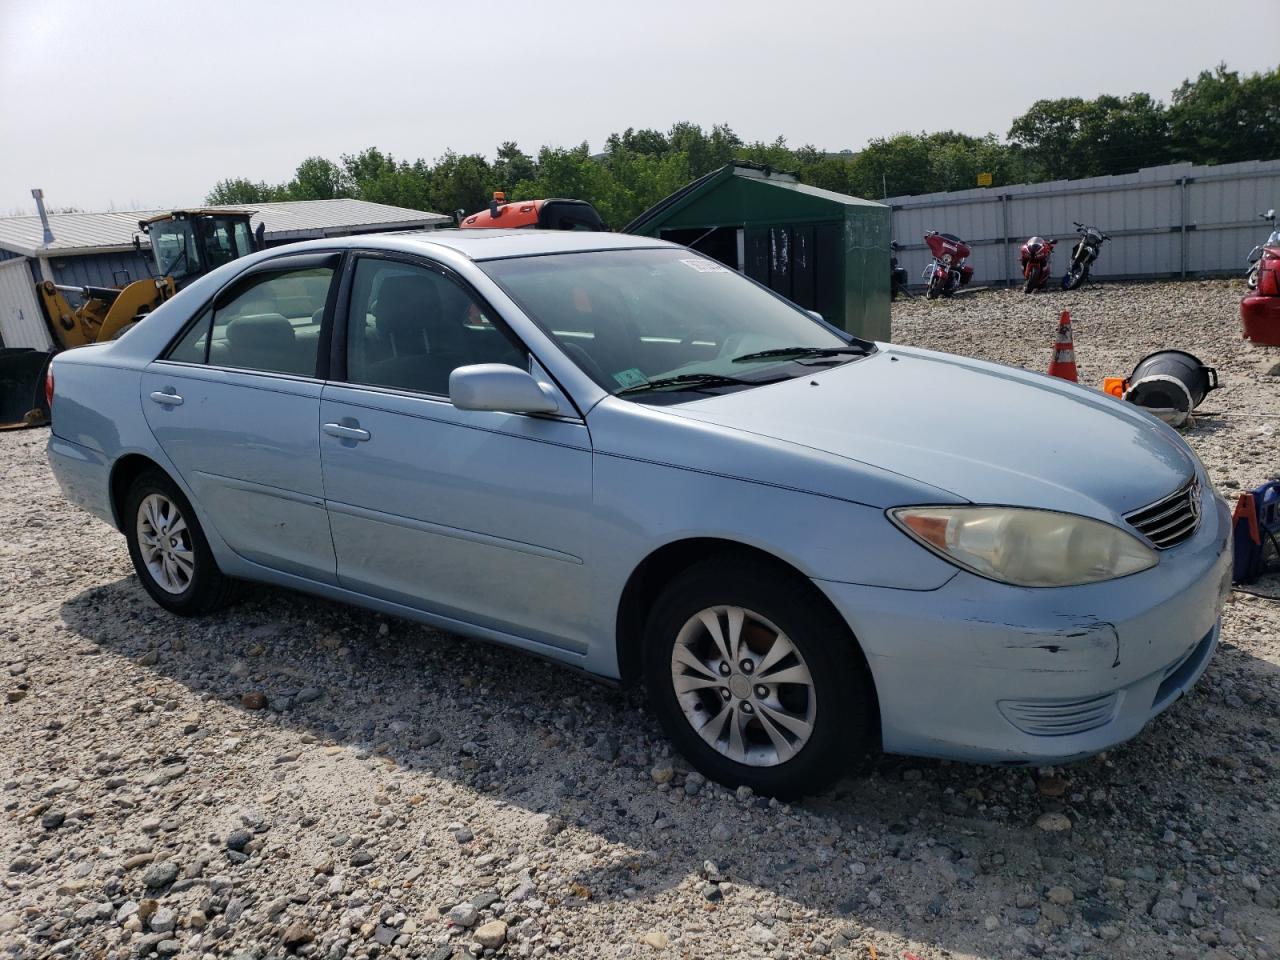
<point x="622" y="455"/>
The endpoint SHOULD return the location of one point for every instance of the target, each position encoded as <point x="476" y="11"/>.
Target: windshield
<point x="660" y="321"/>
<point x="173" y="245"/>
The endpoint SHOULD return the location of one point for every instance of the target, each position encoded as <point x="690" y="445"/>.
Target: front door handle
<point x="344" y="432"/>
<point x="167" y="399"/>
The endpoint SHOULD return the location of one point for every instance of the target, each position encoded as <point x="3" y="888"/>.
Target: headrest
<point x="405" y="300"/>
<point x="270" y="330"/>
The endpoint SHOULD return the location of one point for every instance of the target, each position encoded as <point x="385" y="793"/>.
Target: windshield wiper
<point x="174" y="266"/>
<point x="800" y="352"/>
<point x="692" y="380"/>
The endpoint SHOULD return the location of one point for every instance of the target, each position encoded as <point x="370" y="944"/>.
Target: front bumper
<point x="1260" y="319"/>
<point x="981" y="671"/>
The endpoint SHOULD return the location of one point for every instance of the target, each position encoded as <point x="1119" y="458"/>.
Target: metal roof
<point x="668" y="206"/>
<point x="81" y="233"/>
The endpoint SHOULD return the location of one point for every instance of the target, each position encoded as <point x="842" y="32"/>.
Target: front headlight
<point x="1026" y="548"/>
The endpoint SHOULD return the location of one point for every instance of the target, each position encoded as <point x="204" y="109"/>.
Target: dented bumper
<point x="982" y="671"/>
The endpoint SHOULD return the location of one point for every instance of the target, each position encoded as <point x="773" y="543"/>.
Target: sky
<point x="129" y="104"/>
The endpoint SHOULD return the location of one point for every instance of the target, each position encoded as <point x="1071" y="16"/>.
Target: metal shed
<point x="96" y="249"/>
<point x="824" y="251"/>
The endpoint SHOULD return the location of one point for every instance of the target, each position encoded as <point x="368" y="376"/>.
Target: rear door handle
<point x="344" y="432"/>
<point x="168" y="399"/>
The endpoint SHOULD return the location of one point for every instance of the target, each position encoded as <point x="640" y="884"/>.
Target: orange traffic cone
<point x="1064" y="352"/>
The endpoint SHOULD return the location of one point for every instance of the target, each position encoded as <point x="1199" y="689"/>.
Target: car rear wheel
<point x="169" y="551"/>
<point x="757" y="681"/>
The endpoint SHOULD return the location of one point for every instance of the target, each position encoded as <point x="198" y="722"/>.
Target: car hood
<point x="984" y="432"/>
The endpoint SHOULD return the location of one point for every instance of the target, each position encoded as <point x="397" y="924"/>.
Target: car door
<point x="472" y="515"/>
<point x="235" y="405"/>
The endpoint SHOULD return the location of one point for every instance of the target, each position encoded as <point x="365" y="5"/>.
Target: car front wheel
<point x="756" y="680"/>
<point x="168" y="548"/>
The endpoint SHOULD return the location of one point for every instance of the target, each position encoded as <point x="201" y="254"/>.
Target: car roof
<point x="500" y="244"/>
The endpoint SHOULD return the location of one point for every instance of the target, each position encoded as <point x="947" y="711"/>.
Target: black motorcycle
<point x="1255" y="256"/>
<point x="897" y="274"/>
<point x="1082" y="257"/>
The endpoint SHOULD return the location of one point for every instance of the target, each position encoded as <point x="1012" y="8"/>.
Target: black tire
<point x="845" y="716"/>
<point x="1075" y="276"/>
<point x="934" y="289"/>
<point x="1032" y="283"/>
<point x="1251" y="278"/>
<point x="206" y="588"/>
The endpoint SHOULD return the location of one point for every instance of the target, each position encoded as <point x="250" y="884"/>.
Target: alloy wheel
<point x="165" y="543"/>
<point x="743" y="686"/>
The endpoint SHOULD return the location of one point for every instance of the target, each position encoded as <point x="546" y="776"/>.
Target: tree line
<point x="1217" y="117"/>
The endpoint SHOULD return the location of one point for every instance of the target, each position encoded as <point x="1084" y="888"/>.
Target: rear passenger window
<point x="194" y="345"/>
<point x="270" y="324"/>
<point x="409" y="328"/>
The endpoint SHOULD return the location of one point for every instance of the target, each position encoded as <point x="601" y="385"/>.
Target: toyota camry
<point x="627" y="457"/>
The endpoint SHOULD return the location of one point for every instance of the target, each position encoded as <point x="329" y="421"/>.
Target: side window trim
<point x="324" y="353"/>
<point x="337" y="372"/>
<point x="283" y="264"/>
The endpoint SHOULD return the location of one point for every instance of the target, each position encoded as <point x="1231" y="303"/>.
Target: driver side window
<point x="409" y="327"/>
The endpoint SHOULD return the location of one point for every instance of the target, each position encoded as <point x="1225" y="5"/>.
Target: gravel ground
<point x="296" y="776"/>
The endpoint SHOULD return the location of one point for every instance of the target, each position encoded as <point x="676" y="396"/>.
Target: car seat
<point x="425" y="345"/>
<point x="266" y="341"/>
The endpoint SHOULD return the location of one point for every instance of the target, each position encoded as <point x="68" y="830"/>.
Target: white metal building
<point x="97" y="249"/>
<point x="1178" y="220"/>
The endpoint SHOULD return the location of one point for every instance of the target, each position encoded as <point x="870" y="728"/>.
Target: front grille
<point x="1168" y="522"/>
<point x="1059" y="718"/>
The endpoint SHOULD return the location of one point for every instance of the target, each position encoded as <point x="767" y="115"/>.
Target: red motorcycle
<point x="1260" y="310"/>
<point x="947" y="272"/>
<point x="1035" y="254"/>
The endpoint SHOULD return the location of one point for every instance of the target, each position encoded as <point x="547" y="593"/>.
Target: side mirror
<point x="1270" y="215"/>
<point x="500" y="387"/>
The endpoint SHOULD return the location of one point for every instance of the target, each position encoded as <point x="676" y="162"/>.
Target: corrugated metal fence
<point x="1178" y="220"/>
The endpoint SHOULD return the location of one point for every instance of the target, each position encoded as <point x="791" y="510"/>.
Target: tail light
<point x="48" y="389"/>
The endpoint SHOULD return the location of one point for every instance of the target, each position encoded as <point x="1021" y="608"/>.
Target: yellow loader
<point x="185" y="245"/>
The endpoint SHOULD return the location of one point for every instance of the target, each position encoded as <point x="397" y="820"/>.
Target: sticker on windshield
<point x="630" y="378"/>
<point x="705" y="266"/>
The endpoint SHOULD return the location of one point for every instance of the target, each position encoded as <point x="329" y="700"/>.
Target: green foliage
<point x="238" y="191"/>
<point x="1073" y="138"/>
<point x="319" y="179"/>
<point x="1219" y="117"/>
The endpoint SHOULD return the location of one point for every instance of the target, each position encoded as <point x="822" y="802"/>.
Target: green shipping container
<point x="824" y="251"/>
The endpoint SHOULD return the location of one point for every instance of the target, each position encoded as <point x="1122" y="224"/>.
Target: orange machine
<point x="552" y="214"/>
